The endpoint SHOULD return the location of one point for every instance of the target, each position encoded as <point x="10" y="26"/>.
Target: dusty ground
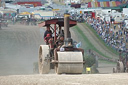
<point x="19" y="50"/>
<point x="54" y="79"/>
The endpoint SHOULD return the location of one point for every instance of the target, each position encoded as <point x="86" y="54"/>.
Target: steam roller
<point x="65" y="58"/>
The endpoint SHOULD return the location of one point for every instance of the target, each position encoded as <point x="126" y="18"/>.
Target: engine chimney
<point x="67" y="34"/>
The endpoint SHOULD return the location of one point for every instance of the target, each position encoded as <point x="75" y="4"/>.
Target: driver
<point x="47" y="35"/>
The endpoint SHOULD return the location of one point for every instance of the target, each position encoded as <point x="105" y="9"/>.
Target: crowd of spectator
<point x="114" y="35"/>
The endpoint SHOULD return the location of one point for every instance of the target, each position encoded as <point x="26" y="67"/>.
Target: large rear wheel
<point x="44" y="61"/>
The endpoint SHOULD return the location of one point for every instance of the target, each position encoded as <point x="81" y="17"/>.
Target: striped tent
<point x="103" y="4"/>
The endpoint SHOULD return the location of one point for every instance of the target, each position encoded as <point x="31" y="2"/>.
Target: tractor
<point x="66" y="59"/>
<point x="122" y="63"/>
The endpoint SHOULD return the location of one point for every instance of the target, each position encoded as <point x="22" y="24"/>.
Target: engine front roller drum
<point x="44" y="62"/>
<point x="69" y="62"/>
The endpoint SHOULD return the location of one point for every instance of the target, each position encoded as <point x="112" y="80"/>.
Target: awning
<point x="59" y="21"/>
<point x="103" y="4"/>
<point x="35" y="3"/>
<point x="25" y="13"/>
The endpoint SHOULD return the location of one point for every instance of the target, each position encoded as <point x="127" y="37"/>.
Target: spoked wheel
<point x="120" y="67"/>
<point x="44" y="61"/>
<point x="69" y="63"/>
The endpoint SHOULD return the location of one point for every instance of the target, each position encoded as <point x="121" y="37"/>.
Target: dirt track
<point x="54" y="79"/>
<point x="19" y="50"/>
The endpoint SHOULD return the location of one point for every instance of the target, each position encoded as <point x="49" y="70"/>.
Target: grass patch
<point x="87" y="44"/>
<point x="101" y="40"/>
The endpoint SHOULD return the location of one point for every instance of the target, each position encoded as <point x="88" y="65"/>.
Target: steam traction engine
<point x="122" y="63"/>
<point x="65" y="59"/>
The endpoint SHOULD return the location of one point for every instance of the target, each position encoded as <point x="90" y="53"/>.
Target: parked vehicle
<point x="126" y="23"/>
<point x="122" y="63"/>
<point x="3" y="23"/>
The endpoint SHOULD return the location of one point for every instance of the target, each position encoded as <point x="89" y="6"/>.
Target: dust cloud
<point x="19" y="49"/>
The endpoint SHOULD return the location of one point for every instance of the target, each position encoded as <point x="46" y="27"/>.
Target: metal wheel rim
<point x="40" y="61"/>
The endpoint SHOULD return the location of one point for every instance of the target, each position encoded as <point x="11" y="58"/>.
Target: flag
<point x="78" y="45"/>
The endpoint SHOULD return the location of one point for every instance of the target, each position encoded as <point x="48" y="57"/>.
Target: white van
<point x="126" y="24"/>
<point x="119" y="19"/>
